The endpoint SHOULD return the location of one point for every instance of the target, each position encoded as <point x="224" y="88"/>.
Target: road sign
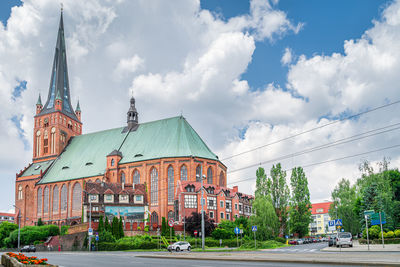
<point x="331" y="225"/>
<point x="254" y="228"/>
<point x="237" y="230"/>
<point x="171" y="222"/>
<point x="90" y="231"/>
<point x="241" y="231"/>
<point x="195" y="232"/>
<point x="342" y="230"/>
<point x="369" y="212"/>
<point x="376" y="219"/>
<point x="286" y="236"/>
<point x="97" y="237"/>
<point x="338" y="222"/>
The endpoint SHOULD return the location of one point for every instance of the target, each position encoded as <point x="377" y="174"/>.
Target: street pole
<point x="19" y="226"/>
<point x="90" y="222"/>
<point x="366" y="227"/>
<point x="203" y="234"/>
<point x="380" y="221"/>
<point x="255" y="242"/>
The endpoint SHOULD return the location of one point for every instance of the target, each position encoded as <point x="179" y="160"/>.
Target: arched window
<point x="20" y="192"/>
<point x="98" y="181"/>
<point x="64" y="198"/>
<point x="37" y="143"/>
<point x="198" y="174"/>
<point x="77" y="197"/>
<point x="45" y="142"/>
<point x="209" y="176"/>
<point x="112" y="162"/>
<point x="136" y="177"/>
<point x="53" y="140"/>
<point x="55" y="199"/>
<point x="39" y="201"/>
<point x="221" y="179"/>
<point x="154" y="218"/>
<point x="46" y="200"/>
<point x="170" y="184"/>
<point x="123" y="177"/>
<point x="183" y="173"/>
<point x="154" y="186"/>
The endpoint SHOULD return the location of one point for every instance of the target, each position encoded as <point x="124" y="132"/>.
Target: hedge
<point x="116" y="246"/>
<point x="379" y="241"/>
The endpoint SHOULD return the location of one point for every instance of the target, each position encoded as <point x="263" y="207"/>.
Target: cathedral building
<point x="165" y="157"/>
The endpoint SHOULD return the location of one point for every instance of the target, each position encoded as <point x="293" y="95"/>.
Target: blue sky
<point x="326" y="25"/>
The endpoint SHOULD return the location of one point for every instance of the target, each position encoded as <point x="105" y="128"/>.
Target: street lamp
<point x="19" y="225"/>
<point x="202" y="207"/>
<point x="90" y="218"/>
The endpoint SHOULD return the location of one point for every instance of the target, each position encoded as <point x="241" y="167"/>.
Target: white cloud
<point x="287" y="56"/>
<point x="128" y="65"/>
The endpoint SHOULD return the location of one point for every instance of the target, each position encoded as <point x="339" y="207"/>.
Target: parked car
<point x="300" y="241"/>
<point x="28" y="248"/>
<point x="332" y="241"/>
<point x="293" y="242"/>
<point x="178" y="246"/>
<point x="344" y="239"/>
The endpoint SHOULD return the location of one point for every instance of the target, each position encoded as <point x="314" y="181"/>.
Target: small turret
<point x="78" y="111"/>
<point x="39" y="105"/>
<point x="132" y="117"/>
<point x="58" y="105"/>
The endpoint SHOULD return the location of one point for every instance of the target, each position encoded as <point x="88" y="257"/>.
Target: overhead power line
<point x="327" y="161"/>
<point x="327" y="145"/>
<point x="313" y="129"/>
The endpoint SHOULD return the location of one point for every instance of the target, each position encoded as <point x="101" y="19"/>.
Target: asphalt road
<point x="115" y="259"/>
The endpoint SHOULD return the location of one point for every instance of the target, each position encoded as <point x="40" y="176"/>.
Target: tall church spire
<point x="59" y="84"/>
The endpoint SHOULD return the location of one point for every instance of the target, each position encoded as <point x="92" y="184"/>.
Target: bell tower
<point x="56" y="122"/>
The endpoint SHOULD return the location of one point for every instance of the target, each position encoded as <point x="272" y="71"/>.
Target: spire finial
<point x="62" y="7"/>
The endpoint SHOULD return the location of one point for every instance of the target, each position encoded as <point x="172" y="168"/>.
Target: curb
<point x="316" y="261"/>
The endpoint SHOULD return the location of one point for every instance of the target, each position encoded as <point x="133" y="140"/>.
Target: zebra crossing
<point x="306" y="248"/>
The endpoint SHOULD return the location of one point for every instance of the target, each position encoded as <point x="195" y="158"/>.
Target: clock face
<point x="46" y="120"/>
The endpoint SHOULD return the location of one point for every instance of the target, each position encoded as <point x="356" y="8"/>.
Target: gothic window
<point x="221" y="179"/>
<point x="154" y="218"/>
<point x="183" y="173"/>
<point x="46" y="142"/>
<point x="69" y="125"/>
<point x="37" y="143"/>
<point x="76" y="197"/>
<point x="46" y="200"/>
<point x="136" y="177"/>
<point x="112" y="162"/>
<point x="46" y="122"/>
<point x="170" y="184"/>
<point x="198" y="174"/>
<point x="170" y="215"/>
<point x="209" y="176"/>
<point x="122" y="177"/>
<point x="98" y="181"/>
<point x="55" y="199"/>
<point x="39" y="201"/>
<point x="64" y="198"/>
<point x="53" y="140"/>
<point x="20" y="192"/>
<point x="154" y="186"/>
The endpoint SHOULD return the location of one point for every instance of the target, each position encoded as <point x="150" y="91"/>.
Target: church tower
<point x="56" y="122"/>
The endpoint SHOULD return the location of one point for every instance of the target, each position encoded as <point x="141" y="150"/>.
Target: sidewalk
<point x="364" y="248"/>
<point x="350" y="258"/>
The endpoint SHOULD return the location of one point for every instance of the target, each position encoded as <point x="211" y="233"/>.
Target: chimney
<point x="235" y="189"/>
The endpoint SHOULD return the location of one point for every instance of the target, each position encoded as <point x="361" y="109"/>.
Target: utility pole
<point x="19" y="225"/>
<point x="202" y="177"/>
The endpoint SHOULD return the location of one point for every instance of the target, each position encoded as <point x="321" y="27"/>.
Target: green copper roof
<point x="35" y="168"/>
<point x="85" y="156"/>
<point x="39" y="101"/>
<point x="78" y="107"/>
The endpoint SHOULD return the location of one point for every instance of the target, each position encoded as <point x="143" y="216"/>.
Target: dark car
<point x="293" y="242"/>
<point x="332" y="241"/>
<point x="28" y="248"/>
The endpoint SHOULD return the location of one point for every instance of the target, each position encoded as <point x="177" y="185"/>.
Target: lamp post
<point x="19" y="225"/>
<point x="90" y="218"/>
<point x="202" y="177"/>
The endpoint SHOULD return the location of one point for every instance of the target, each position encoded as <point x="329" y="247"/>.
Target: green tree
<point x="121" y="228"/>
<point x="262" y="183"/>
<point x="193" y="223"/>
<point x="280" y="195"/>
<point x="40" y="222"/>
<point x="115" y="227"/>
<point x="107" y="226"/>
<point x="5" y="230"/>
<point x="300" y="208"/>
<point x="164" y="227"/>
<point x="265" y="218"/>
<point x="344" y="200"/>
<point x="101" y="224"/>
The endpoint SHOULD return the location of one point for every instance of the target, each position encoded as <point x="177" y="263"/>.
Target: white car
<point x="344" y="238"/>
<point x="178" y="246"/>
<point x="300" y="241"/>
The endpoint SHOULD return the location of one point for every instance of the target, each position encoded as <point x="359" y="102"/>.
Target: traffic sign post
<point x="254" y="229"/>
<point x="171" y="224"/>
<point x="237" y="230"/>
<point x="195" y="237"/>
<point x="331" y="225"/>
<point x="366" y="227"/>
<point x="380" y="220"/>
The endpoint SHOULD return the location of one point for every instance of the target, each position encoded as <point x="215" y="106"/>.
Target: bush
<point x="397" y="233"/>
<point x="262" y="244"/>
<point x="379" y="241"/>
<point x="106" y="236"/>
<point x="139" y="229"/>
<point x="280" y="239"/>
<point x="389" y="234"/>
<point x="220" y="233"/>
<point x="146" y="228"/>
<point x="64" y="230"/>
<point x="373" y="232"/>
